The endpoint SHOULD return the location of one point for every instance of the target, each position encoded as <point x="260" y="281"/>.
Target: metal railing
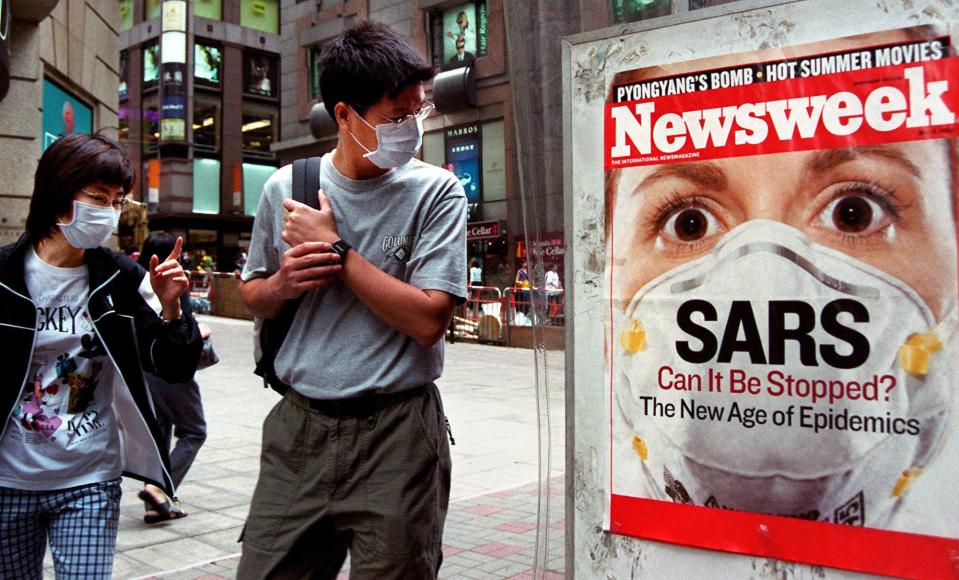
<point x="519" y="307"/>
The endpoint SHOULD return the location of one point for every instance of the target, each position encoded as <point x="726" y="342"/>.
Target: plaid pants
<point x="81" y="523"/>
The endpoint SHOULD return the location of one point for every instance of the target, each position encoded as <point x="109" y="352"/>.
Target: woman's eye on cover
<point x="690" y="224"/>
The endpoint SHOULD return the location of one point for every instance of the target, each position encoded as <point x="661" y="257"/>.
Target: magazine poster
<point x="782" y="326"/>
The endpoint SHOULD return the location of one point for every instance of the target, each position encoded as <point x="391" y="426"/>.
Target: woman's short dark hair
<point x="159" y="244"/>
<point x="69" y="164"/>
<point x="366" y="63"/>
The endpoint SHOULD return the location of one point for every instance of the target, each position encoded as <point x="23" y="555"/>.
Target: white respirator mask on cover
<point x="397" y="143"/>
<point x="91" y="226"/>
<point x="852" y="350"/>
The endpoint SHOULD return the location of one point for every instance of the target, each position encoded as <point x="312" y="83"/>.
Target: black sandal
<point x="164" y="511"/>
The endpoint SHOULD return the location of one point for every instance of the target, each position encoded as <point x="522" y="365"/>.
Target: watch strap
<point x="340" y="248"/>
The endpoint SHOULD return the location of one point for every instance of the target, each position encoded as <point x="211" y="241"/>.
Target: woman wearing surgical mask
<point x="80" y="324"/>
<point x="836" y="266"/>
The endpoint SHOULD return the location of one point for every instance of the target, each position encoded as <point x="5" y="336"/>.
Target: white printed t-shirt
<point x="63" y="432"/>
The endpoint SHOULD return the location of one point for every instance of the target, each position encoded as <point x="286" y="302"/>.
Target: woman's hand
<point x="169" y="281"/>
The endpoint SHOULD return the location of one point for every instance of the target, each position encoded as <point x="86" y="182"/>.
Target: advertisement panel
<point x="461" y="34"/>
<point x="463" y="147"/>
<point x="782" y="285"/>
<point x="207" y="64"/>
<point x="63" y="114"/>
<point x="151" y="65"/>
<point x="260" y="72"/>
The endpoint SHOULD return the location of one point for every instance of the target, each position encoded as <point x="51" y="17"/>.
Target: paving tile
<point x="177" y="554"/>
<point x="517" y="527"/>
<point x="489" y="395"/>
<point x="483" y="510"/>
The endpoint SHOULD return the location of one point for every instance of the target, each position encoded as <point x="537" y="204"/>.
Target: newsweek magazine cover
<point x="782" y="268"/>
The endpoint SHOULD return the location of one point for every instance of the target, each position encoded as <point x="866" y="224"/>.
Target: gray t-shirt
<point x="411" y="222"/>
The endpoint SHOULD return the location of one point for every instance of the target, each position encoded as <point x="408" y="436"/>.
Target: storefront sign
<point x="173" y="102"/>
<point x="483" y="230"/>
<point x="63" y="114"/>
<point x="782" y="322"/>
<point x="551" y="246"/>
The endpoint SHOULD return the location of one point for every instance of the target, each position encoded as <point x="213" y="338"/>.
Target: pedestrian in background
<point x="476" y="279"/>
<point x="355" y="456"/>
<point x="178" y="407"/>
<point x="79" y="324"/>
<point x="186" y="261"/>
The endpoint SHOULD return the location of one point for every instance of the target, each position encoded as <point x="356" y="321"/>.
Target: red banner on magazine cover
<point x="782" y="269"/>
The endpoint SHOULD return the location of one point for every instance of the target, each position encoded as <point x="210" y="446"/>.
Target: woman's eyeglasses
<point x="103" y="200"/>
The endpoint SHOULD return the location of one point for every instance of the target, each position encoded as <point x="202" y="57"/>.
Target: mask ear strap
<point x="361" y="119"/>
<point x="362" y="146"/>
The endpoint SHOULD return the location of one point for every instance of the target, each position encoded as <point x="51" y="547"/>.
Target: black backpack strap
<point x="299" y="180"/>
<point x="312" y="182"/>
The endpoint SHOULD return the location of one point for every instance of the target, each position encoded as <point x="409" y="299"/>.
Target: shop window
<point x="123" y="123"/>
<point x="151" y="123"/>
<point x="459" y="34"/>
<point x="126" y="15"/>
<point x="151" y="65"/>
<point x="260" y="74"/>
<point x="254" y="177"/>
<point x="316" y="70"/>
<point x="207" y="64"/>
<point x="122" y="90"/>
<point x="152" y="9"/>
<point x="262" y="15"/>
<point x="259" y="130"/>
<point x="633" y="10"/>
<point x="206" y="123"/>
<point x="212" y="9"/>
<point x="206" y="185"/>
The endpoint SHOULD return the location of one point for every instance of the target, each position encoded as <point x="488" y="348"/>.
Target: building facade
<point x="199" y="110"/>
<point x="58" y="74"/>
<point x="473" y="133"/>
<point x="232" y="100"/>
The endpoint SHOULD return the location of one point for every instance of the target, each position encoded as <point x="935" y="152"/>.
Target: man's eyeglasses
<point x="421" y="113"/>
<point x="103" y="200"/>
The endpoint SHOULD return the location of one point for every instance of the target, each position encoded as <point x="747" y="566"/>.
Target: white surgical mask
<point x="777" y="279"/>
<point x="92" y="225"/>
<point x="397" y="143"/>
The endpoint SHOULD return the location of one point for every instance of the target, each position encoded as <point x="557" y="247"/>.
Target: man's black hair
<point x="69" y="164"/>
<point x="366" y="63"/>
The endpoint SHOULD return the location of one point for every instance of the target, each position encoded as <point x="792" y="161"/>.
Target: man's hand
<point x="305" y="224"/>
<point x="169" y="281"/>
<point x="304" y="267"/>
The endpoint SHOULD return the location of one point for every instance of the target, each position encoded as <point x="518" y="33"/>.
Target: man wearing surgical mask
<point x="355" y="456"/>
<point x="79" y="324"/>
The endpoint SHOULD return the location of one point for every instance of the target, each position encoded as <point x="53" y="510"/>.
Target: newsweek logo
<point x="864" y="107"/>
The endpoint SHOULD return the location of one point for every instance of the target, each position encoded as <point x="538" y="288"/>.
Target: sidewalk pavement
<point x="489" y="397"/>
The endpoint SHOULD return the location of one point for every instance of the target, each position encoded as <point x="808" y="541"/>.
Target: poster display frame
<point x="618" y="50"/>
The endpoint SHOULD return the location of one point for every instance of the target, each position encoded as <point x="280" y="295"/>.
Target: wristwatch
<point x="340" y="248"/>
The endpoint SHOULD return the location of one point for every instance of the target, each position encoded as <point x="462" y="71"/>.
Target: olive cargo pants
<point x="368" y="476"/>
